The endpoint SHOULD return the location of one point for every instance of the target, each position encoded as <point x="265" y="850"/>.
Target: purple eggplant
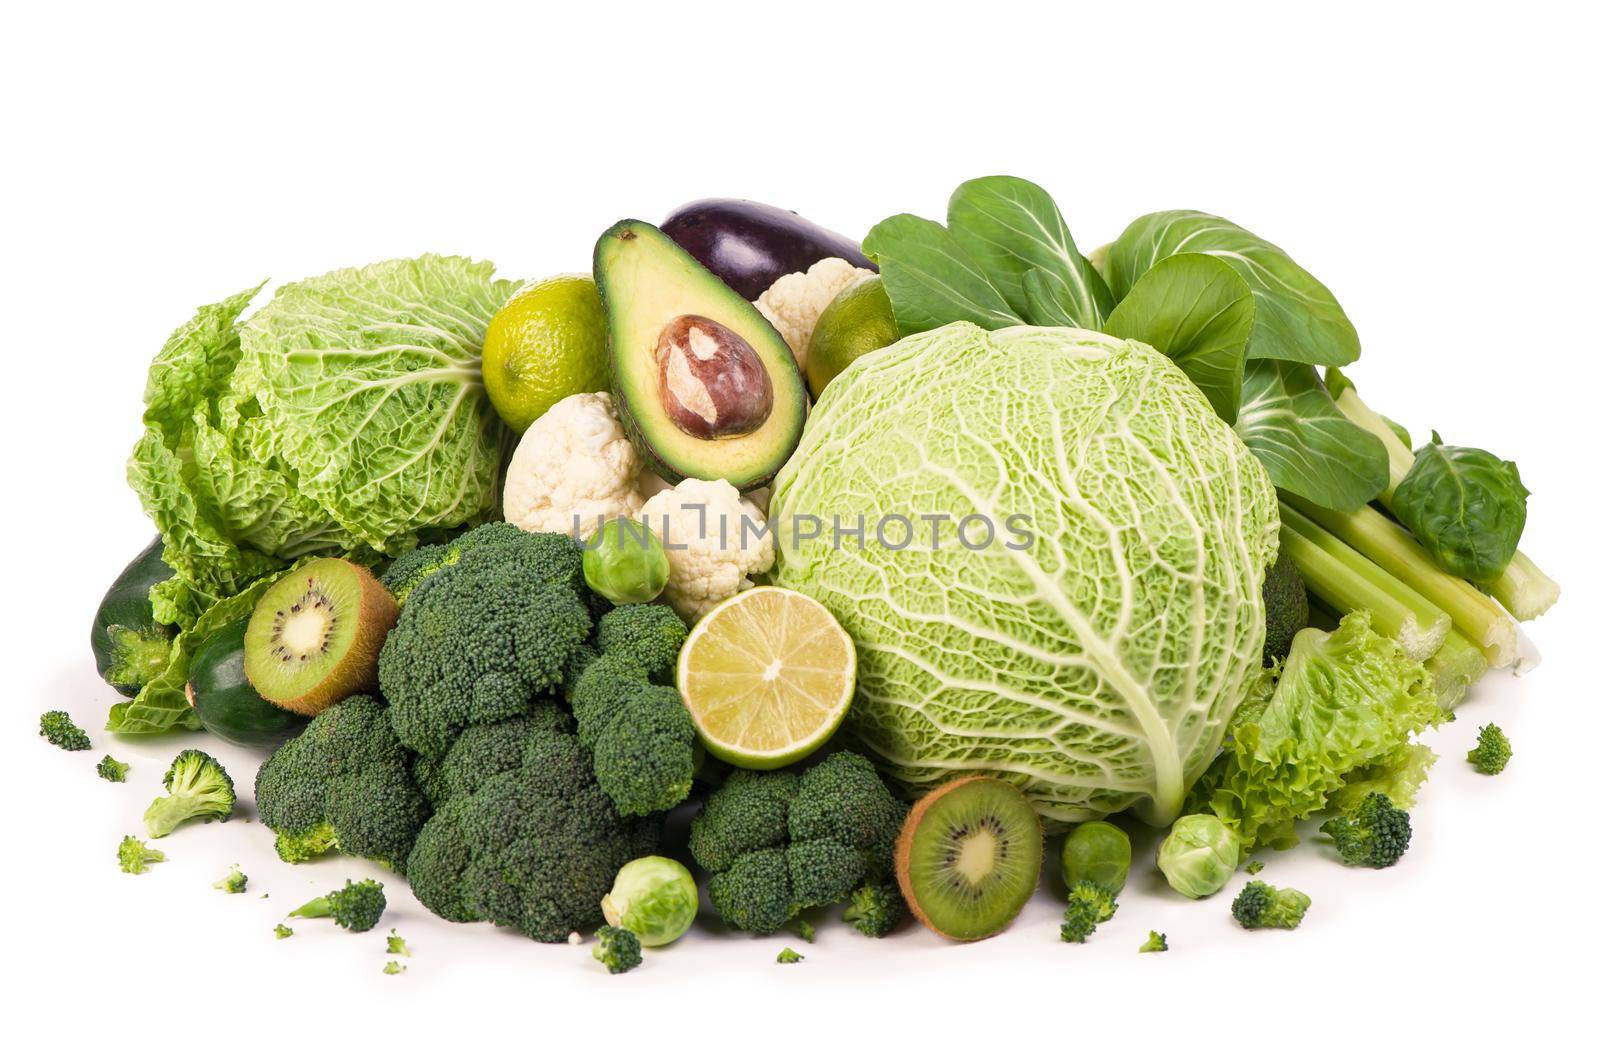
<point x="750" y="245"/>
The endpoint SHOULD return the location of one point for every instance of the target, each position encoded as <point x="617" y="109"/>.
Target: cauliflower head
<point x="714" y="541"/>
<point x="573" y="465"/>
<point x="793" y="303"/>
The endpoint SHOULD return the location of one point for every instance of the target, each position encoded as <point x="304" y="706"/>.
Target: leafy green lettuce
<point x="1335" y="723"/>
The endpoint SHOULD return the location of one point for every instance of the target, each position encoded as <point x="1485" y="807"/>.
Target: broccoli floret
<point x="356" y="907"/>
<point x="1376" y="835"/>
<point x="788" y="955"/>
<point x="232" y="883"/>
<point x="480" y="640"/>
<point x="641" y="734"/>
<point x="484" y="751"/>
<point x="1157" y="942"/>
<point x="1493" y="750"/>
<point x="1254" y="867"/>
<point x="1088" y="906"/>
<point x="778" y="843"/>
<point x="1261" y="905"/>
<point x="535" y="848"/>
<point x="281" y="932"/>
<point x="344" y="783"/>
<point x="197" y="786"/>
<point x="58" y="728"/>
<point x="1288" y="608"/>
<point x="396" y="945"/>
<point x="649" y="636"/>
<point x="394" y="967"/>
<point x="618" y="949"/>
<point x="112" y="770"/>
<point x="409" y="570"/>
<point x="135" y="857"/>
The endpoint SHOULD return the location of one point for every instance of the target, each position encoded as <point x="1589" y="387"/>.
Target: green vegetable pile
<point x="1220" y="596"/>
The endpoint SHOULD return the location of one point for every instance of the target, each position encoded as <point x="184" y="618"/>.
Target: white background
<point x="1434" y="168"/>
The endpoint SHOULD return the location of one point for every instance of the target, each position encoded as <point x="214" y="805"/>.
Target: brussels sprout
<point x="654" y="897"/>
<point x="1099" y="853"/>
<point x="1198" y="855"/>
<point x="624" y="562"/>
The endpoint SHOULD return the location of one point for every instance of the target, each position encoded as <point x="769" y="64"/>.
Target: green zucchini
<point x="224" y="700"/>
<point x="129" y="646"/>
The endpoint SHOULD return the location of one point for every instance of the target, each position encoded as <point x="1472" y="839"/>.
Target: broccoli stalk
<point x="1261" y="905"/>
<point x="357" y="907"/>
<point x="1375" y="835"/>
<point x="1524" y="590"/>
<point x="1493" y="750"/>
<point x="618" y="949"/>
<point x="197" y="786"/>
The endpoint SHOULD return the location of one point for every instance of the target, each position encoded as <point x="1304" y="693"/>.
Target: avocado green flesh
<point x="646" y="281"/>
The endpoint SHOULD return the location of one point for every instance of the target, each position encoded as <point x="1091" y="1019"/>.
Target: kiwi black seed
<point x="314" y="636"/>
<point x="968" y="857"/>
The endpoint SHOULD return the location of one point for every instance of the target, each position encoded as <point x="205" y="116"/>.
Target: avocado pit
<point x="713" y="384"/>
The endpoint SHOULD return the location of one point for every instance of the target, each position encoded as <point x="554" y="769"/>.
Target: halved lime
<point x="767" y="676"/>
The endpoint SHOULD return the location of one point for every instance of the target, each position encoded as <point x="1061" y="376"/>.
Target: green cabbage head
<point x="1095" y="666"/>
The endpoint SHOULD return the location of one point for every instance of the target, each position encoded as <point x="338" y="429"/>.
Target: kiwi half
<point x="314" y="637"/>
<point x="968" y="857"/>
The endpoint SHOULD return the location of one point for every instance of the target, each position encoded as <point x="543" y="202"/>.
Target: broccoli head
<point x="343" y="784"/>
<point x="356" y="907"/>
<point x="134" y="857"/>
<point x="482" y="639"/>
<point x="197" y="786"/>
<point x="642" y="736"/>
<point x="618" y="949"/>
<point x="409" y="570"/>
<point x="1288" y="608"/>
<point x="58" y="728"/>
<point x="534" y="848"/>
<point x="1493" y="750"/>
<point x="1261" y="905"/>
<point x="1088" y="905"/>
<point x="778" y="843"/>
<point x="1376" y="835"/>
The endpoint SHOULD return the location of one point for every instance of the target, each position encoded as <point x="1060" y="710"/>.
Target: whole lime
<point x="547" y="343"/>
<point x="858" y="321"/>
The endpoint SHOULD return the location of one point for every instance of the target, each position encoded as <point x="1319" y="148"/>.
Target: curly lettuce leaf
<point x="1340" y="720"/>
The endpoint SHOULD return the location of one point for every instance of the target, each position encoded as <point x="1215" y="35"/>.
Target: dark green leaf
<point x="931" y="280"/>
<point x="1297" y="319"/>
<point x="1010" y="227"/>
<point x="1465" y="506"/>
<point x="1045" y="298"/>
<point x="1197" y="311"/>
<point x="1308" y="446"/>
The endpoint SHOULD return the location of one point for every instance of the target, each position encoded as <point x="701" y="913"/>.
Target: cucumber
<point x="129" y="646"/>
<point x="223" y="698"/>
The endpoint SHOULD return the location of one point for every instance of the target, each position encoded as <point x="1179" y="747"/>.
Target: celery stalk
<point x="1392" y="548"/>
<point x="1348" y="582"/>
<point x="1455" y="667"/>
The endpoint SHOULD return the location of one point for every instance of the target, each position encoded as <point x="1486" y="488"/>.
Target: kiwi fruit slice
<point x="314" y="636"/>
<point x="968" y="857"/>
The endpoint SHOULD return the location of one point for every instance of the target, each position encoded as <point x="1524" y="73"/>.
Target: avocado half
<point x="648" y="283"/>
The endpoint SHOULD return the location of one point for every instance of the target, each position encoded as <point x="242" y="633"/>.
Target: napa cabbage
<point x="1096" y="664"/>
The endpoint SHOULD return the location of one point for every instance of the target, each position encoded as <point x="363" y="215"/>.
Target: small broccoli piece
<point x="803" y="929"/>
<point x="356" y="907"/>
<point x="1493" y="750"/>
<point x="618" y="949"/>
<point x="58" y="728"/>
<point x="1157" y="942"/>
<point x="112" y="770"/>
<point x="394" y="967"/>
<point x="232" y="883"/>
<point x="535" y="848"/>
<point x="135" y="857"/>
<point x="343" y="784"/>
<point x="777" y="843"/>
<point x="1254" y="867"/>
<point x="1375" y="835"/>
<point x="788" y="955"/>
<point x="396" y="945"/>
<point x="1088" y="906"/>
<point x="281" y="932"/>
<point x="197" y="787"/>
<point x="641" y="734"/>
<point x="480" y="640"/>
<point x="1260" y="905"/>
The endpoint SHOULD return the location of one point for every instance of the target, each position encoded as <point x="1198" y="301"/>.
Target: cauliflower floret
<point x="793" y="302"/>
<point x="714" y="541"/>
<point x="573" y="465"/>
